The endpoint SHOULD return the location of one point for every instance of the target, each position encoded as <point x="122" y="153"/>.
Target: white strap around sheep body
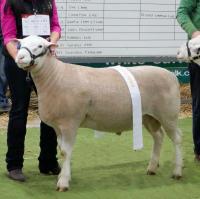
<point x="136" y="105"/>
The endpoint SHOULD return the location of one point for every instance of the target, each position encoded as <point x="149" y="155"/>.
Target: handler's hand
<point x="195" y="34"/>
<point x="53" y="51"/>
<point x="52" y="48"/>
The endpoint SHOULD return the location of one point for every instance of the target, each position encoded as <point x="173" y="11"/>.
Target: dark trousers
<point x="194" y="70"/>
<point x="20" y="97"/>
<point x="3" y="81"/>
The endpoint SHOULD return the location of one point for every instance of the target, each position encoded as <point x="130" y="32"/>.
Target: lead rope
<point x="28" y="80"/>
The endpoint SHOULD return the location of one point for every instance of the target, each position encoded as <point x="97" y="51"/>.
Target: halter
<point x="32" y="62"/>
<point x="33" y="57"/>
<point x="189" y="54"/>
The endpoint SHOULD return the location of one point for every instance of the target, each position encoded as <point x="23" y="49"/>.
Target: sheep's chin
<point x="25" y="67"/>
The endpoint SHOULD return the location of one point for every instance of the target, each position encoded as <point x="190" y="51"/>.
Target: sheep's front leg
<point x="67" y="139"/>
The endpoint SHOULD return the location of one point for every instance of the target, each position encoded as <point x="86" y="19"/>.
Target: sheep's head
<point x="31" y="50"/>
<point x="190" y="51"/>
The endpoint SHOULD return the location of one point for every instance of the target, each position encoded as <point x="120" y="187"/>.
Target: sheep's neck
<point x="46" y="74"/>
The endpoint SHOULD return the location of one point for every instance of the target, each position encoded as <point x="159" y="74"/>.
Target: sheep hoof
<point x="62" y="189"/>
<point x="176" y="177"/>
<point x="151" y="173"/>
<point x="118" y="133"/>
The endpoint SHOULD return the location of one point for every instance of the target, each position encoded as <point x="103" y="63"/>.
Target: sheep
<point x="72" y="96"/>
<point x="190" y="51"/>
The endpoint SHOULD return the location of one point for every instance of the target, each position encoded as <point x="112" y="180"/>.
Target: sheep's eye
<point x="40" y="46"/>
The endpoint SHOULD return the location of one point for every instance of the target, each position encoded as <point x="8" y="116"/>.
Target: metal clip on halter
<point x="28" y="79"/>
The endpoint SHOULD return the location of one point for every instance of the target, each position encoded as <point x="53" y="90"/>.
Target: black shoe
<point x="197" y="158"/>
<point x="4" y="105"/>
<point x="50" y="171"/>
<point x="17" y="175"/>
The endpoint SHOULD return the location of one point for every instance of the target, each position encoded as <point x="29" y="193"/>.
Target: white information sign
<point x="35" y="25"/>
<point x="119" y="28"/>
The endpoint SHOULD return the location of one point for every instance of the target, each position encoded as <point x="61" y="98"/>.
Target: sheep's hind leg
<point x="175" y="134"/>
<point x="66" y="145"/>
<point x="154" y="127"/>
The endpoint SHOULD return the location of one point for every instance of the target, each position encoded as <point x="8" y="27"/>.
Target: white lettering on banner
<point x="181" y="73"/>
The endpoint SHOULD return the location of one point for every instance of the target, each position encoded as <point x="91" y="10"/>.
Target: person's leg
<point x="194" y="70"/>
<point x="4" y="103"/>
<point x="20" y="96"/>
<point x="48" y="150"/>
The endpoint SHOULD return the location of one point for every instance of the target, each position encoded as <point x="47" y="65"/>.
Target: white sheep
<point x="72" y="96"/>
<point x="190" y="51"/>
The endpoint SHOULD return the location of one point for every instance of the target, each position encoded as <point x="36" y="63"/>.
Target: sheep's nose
<point x="178" y="55"/>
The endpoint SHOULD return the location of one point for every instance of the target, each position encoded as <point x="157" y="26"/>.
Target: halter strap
<point x="190" y="55"/>
<point x="33" y="57"/>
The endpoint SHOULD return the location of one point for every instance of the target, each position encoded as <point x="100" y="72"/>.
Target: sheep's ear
<point x="53" y="45"/>
<point x="50" y="44"/>
<point x="17" y="42"/>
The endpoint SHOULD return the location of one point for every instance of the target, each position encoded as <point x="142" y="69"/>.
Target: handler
<point x="4" y="103"/>
<point x="19" y="19"/>
<point x="188" y="16"/>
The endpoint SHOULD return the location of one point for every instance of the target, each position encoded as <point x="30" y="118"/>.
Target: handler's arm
<point x="12" y="49"/>
<point x="9" y="30"/>
<point x="55" y="26"/>
<point x="184" y="11"/>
